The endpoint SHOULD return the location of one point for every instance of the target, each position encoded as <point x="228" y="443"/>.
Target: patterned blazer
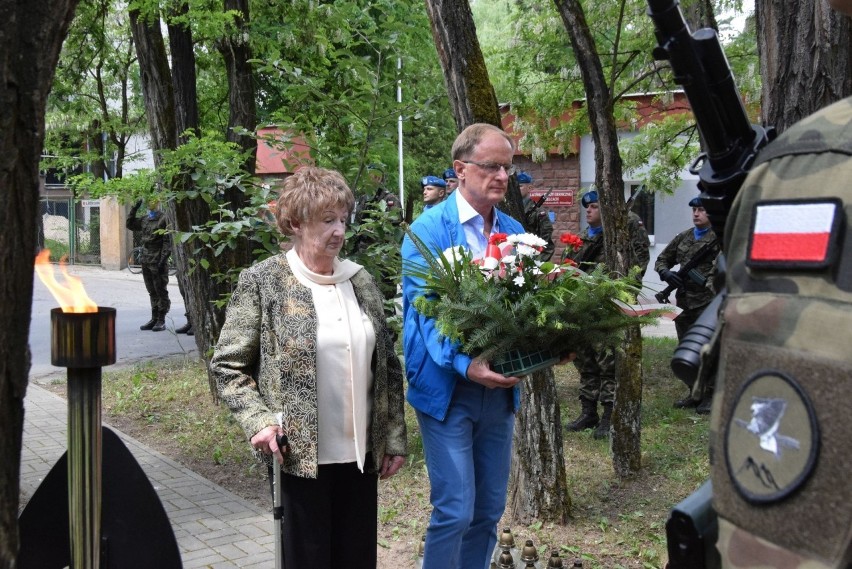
<point x="265" y="361"/>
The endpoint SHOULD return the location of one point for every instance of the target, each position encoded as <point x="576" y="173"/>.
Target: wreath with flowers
<point x="511" y="300"/>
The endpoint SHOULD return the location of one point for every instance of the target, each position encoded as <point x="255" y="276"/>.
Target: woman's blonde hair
<point x="309" y="191"/>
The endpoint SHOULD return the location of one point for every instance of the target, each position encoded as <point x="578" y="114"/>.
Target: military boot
<point x="602" y="431"/>
<point x="150" y="323"/>
<point x="160" y="324"/>
<point x="185" y="329"/>
<point x="588" y="418"/>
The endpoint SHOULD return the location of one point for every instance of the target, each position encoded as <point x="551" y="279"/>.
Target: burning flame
<point x="72" y="296"/>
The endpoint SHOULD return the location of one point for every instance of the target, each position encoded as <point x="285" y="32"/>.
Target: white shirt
<point x="345" y="344"/>
<point x="474" y="226"/>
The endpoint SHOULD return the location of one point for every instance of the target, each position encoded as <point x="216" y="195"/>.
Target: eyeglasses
<point x="493" y="167"/>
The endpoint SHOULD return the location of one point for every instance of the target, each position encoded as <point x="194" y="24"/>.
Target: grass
<point x="615" y="522"/>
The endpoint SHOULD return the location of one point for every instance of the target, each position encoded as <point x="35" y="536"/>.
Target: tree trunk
<point x="538" y="488"/>
<point x="805" y="61"/>
<point x="31" y="36"/>
<point x="171" y="105"/>
<point x="237" y="53"/>
<point x="627" y="413"/>
<point x="472" y="96"/>
<point x="609" y="183"/>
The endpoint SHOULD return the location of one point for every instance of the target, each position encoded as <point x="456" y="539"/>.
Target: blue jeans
<point x="468" y="455"/>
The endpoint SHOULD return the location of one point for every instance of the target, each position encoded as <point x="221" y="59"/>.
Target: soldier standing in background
<point x="156" y="248"/>
<point x="537" y="220"/>
<point x="597" y="366"/>
<point x="451" y="179"/>
<point x="694" y="290"/>
<point x="434" y="191"/>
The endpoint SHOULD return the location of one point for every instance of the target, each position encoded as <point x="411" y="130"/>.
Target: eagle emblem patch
<point x="772" y="437"/>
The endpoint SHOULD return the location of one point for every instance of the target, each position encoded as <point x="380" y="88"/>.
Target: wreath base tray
<point x="521" y="362"/>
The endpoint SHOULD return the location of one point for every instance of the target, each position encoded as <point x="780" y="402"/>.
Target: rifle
<point x="629" y="203"/>
<point x="687" y="270"/>
<point x="541" y="200"/>
<point x="730" y="142"/>
<point x="730" y="145"/>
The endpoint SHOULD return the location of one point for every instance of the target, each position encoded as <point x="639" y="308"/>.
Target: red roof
<point x="280" y="153"/>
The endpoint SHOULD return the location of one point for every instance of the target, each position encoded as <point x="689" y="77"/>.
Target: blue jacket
<point x="433" y="364"/>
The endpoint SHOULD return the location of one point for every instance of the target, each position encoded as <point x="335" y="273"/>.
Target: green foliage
<point x="215" y="168"/>
<point x="531" y="61"/>
<point x="95" y="104"/>
<point x="374" y="243"/>
<point x="657" y="154"/>
<point x="58" y="250"/>
<point x="521" y="303"/>
<point x="172" y="401"/>
<point x="331" y="74"/>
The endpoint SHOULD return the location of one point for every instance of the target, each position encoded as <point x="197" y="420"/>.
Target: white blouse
<point x="346" y="341"/>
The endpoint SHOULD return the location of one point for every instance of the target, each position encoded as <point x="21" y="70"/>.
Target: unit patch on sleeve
<point x="772" y="439"/>
<point x="795" y="234"/>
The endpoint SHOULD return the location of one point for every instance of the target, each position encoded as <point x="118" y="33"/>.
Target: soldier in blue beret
<point x="537" y="220"/>
<point x="597" y="365"/>
<point x="434" y="191"/>
<point x="451" y="179"/>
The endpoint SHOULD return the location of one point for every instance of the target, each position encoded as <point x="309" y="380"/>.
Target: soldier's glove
<point x="163" y="264"/>
<point x="671" y="278"/>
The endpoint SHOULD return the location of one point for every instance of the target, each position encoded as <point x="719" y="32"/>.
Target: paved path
<point x="214" y="527"/>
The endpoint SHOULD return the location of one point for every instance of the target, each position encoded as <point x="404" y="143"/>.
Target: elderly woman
<point x="305" y="335"/>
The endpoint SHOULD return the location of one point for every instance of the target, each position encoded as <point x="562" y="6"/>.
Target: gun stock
<point x="691" y="532"/>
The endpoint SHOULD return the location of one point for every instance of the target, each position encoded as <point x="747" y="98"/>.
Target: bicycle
<point x="134" y="264"/>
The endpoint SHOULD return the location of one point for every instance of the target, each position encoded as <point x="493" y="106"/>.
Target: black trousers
<point x="330" y="521"/>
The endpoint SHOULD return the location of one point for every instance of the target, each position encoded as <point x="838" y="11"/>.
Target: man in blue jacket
<point x="464" y="409"/>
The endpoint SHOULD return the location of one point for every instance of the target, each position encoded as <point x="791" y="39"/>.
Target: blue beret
<point x="449" y="173"/>
<point x="589" y="197"/>
<point x="524" y="178"/>
<point x="695" y="202"/>
<point x="433" y="181"/>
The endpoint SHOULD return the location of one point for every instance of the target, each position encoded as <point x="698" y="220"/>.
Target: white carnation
<point x="454" y="255"/>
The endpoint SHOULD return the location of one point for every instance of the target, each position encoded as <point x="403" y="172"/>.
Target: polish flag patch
<point x="795" y="234"/>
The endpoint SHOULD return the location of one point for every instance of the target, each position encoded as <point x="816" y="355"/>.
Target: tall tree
<point x="31" y="36"/>
<point x="169" y="95"/>
<point x="539" y="487"/>
<point x="94" y="106"/>
<point x="805" y="58"/>
<point x="609" y="182"/>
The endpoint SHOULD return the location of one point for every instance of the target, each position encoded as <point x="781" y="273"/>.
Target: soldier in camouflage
<point x="781" y="438"/>
<point x="694" y="291"/>
<point x="597" y="366"/>
<point x="536" y="220"/>
<point x="156" y="249"/>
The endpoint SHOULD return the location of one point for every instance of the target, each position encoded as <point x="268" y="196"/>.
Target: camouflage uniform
<point x="537" y="221"/>
<point x="597" y="366"/>
<point x="156" y="249"/>
<point x="640" y="245"/>
<point x="692" y="297"/>
<point x="781" y="439"/>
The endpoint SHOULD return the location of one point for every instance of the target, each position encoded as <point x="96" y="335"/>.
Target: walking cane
<point x="277" y="508"/>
